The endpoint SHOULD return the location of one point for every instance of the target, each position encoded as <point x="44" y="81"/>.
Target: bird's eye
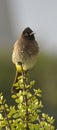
<point x="26" y="34"/>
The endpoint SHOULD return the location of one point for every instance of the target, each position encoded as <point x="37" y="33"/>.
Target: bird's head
<point x="28" y="34"/>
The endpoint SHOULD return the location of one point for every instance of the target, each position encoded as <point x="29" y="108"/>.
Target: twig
<point x="26" y="102"/>
<point x="5" y="111"/>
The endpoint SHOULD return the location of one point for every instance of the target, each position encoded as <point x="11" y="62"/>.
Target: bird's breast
<point x="25" y="51"/>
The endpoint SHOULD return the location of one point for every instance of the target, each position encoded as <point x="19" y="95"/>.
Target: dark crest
<point x="28" y="34"/>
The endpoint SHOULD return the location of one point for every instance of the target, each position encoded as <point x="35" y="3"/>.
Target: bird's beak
<point x="32" y="33"/>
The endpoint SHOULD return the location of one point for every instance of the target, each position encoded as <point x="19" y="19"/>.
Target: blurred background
<point x="41" y="16"/>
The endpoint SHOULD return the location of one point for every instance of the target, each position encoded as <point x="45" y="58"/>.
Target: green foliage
<point x="26" y="114"/>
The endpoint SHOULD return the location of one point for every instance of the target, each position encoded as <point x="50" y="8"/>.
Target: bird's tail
<point x="13" y="89"/>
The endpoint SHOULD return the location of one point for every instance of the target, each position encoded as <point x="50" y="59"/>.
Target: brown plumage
<point x="25" y="51"/>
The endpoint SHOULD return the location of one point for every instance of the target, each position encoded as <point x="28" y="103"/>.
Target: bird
<point x="25" y="52"/>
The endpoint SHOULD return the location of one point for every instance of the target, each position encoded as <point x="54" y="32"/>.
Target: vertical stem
<point x="26" y="103"/>
<point x="27" y="114"/>
<point x="9" y="126"/>
<point x="5" y="111"/>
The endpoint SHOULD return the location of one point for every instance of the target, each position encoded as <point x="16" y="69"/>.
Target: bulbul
<point x="25" y="52"/>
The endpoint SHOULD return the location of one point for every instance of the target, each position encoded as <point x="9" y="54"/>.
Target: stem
<point x="40" y="122"/>
<point x="26" y="103"/>
<point x="27" y="114"/>
<point x="5" y="111"/>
